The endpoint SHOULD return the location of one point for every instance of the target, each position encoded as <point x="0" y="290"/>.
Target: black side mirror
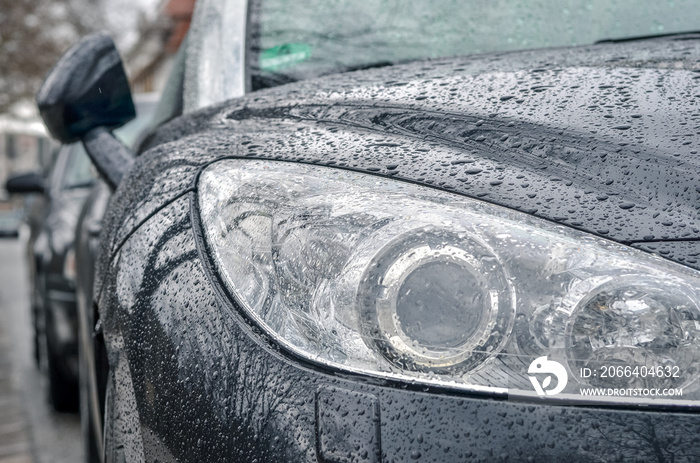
<point x="85" y="96"/>
<point x="86" y="89"/>
<point x="32" y="182"/>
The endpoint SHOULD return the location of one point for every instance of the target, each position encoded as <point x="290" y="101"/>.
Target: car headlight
<point x="386" y="278"/>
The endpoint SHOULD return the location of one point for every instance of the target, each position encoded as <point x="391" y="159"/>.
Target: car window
<point x="131" y="133"/>
<point x="78" y="172"/>
<point x="49" y="167"/>
<point x="301" y="39"/>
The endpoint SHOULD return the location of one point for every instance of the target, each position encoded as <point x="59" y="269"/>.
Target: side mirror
<point x="86" y="89"/>
<point x="85" y="96"/>
<point x="32" y="182"/>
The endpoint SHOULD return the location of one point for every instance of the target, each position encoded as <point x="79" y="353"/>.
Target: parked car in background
<point x="10" y="221"/>
<point x="51" y="254"/>
<point x="397" y="231"/>
<point x="52" y="217"/>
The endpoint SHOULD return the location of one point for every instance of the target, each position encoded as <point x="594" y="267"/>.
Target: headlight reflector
<point x="433" y="300"/>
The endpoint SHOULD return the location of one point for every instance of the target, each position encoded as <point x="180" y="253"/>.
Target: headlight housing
<point x="386" y="278"/>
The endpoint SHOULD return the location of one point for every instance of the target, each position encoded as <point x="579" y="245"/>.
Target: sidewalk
<point x="14" y="431"/>
<point x="30" y="431"/>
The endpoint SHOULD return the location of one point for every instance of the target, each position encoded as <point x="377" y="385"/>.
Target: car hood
<point x="602" y="138"/>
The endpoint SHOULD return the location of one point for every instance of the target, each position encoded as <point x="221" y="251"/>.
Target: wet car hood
<point x="602" y="138"/>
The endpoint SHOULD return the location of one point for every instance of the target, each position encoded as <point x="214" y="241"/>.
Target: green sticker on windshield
<point x="282" y="56"/>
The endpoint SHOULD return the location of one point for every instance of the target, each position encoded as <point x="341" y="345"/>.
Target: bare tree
<point x="33" y="34"/>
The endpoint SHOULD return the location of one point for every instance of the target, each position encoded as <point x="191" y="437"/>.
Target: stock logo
<point x="540" y="367"/>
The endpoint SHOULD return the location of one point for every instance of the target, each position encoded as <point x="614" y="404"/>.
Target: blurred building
<point x="149" y="61"/>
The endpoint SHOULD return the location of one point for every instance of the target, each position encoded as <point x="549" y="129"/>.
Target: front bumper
<point x="202" y="384"/>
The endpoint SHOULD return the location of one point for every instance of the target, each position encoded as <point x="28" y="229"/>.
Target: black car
<point x="341" y="244"/>
<point x="52" y="217"/>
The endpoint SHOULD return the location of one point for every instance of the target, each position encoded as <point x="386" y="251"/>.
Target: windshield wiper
<point x="362" y="67"/>
<point x="260" y="81"/>
<point x="267" y="80"/>
<point x="695" y="34"/>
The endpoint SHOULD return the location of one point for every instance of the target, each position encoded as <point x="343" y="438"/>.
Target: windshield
<point x="301" y="39"/>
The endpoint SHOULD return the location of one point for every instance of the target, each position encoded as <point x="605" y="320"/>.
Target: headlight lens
<point x="388" y="278"/>
<point x="431" y="300"/>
